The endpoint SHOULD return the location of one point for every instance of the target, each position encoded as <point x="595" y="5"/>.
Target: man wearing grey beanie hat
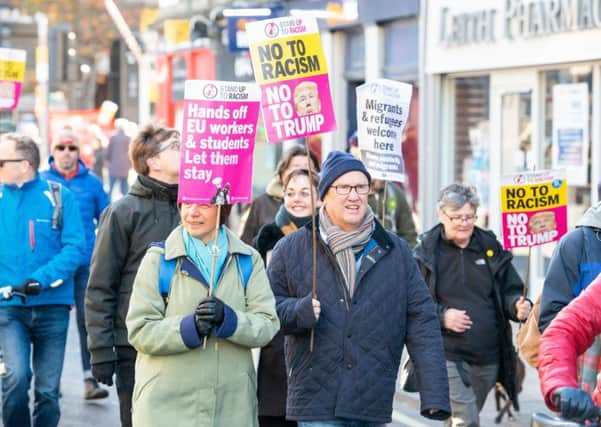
<point x="371" y="300"/>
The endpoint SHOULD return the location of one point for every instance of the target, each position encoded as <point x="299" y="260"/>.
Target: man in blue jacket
<point x="41" y="246"/>
<point x="371" y="300"/>
<point x="67" y="168"/>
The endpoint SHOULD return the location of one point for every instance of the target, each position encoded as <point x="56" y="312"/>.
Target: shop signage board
<point x="290" y="67"/>
<point x="382" y="111"/>
<point x="12" y="74"/>
<point x="570" y="131"/>
<point x="218" y="139"/>
<point x="534" y="208"/>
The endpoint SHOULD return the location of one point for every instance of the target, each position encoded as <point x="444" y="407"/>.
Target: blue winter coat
<point x="30" y="248"/>
<point x="90" y="197"/>
<point x="353" y="368"/>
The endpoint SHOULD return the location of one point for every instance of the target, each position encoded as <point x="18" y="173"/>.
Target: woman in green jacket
<point x="178" y="382"/>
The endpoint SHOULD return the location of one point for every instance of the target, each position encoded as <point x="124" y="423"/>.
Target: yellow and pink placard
<point x="534" y="208"/>
<point x="12" y="74"/>
<point x="218" y="139"/>
<point x="290" y="67"/>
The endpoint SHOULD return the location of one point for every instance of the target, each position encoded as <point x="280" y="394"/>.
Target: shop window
<point x="568" y="117"/>
<point x="472" y="137"/>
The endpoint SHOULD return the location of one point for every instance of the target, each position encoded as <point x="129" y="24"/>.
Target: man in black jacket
<point x="371" y="300"/>
<point x="148" y="213"/>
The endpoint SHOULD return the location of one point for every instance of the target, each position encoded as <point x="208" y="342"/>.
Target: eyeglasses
<point x="3" y="161"/>
<point x="458" y="219"/>
<point x="61" y="147"/>
<point x="343" y="189"/>
<point x="174" y="144"/>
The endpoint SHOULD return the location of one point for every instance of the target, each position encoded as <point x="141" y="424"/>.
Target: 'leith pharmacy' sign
<point x="485" y="28"/>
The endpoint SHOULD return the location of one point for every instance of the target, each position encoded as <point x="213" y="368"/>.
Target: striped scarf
<point x="345" y="245"/>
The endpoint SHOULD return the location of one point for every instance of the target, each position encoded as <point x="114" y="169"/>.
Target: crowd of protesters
<point x="326" y="284"/>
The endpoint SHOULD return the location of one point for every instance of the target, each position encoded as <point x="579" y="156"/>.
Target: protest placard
<point x="382" y="111"/>
<point x="291" y="69"/>
<point x="12" y="74"/>
<point x="218" y="138"/>
<point x="534" y="208"/>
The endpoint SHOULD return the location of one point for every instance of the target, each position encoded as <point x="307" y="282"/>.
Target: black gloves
<point x="575" y="404"/>
<point x="203" y="328"/>
<point x="31" y="287"/>
<point x="210" y="310"/>
<point x="103" y="372"/>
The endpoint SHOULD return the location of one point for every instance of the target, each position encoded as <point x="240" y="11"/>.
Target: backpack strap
<point x="57" y="215"/>
<point x="245" y="268"/>
<point x="166" y="272"/>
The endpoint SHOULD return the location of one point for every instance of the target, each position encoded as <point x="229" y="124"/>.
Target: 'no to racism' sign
<point x="291" y="69"/>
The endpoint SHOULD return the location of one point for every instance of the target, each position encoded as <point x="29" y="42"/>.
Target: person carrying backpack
<point x="177" y="378"/>
<point x="42" y="241"/>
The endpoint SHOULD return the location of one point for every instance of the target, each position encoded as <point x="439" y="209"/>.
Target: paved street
<point x="77" y="412"/>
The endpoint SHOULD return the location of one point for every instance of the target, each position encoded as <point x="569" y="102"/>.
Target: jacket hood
<point x="275" y="189"/>
<point x="592" y="217"/>
<point x="174" y="244"/>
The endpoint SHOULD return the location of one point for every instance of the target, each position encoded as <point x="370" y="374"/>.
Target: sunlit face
<point x="297" y="196"/>
<point x="458" y="223"/>
<point x="13" y="168"/>
<point x="168" y="159"/>
<point x="347" y="211"/>
<point x="306" y="99"/>
<point x="66" y="156"/>
<point x="199" y="221"/>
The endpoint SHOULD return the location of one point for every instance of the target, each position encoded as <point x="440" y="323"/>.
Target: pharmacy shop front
<point x="509" y="86"/>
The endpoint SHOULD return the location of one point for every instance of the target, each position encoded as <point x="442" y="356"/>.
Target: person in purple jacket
<point x="117" y="157"/>
<point x="67" y="168"/>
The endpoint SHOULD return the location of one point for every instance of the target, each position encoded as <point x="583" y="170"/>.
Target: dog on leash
<point x="502" y="400"/>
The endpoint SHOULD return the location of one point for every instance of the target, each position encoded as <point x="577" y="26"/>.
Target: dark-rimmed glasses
<point x="460" y="219"/>
<point x="175" y="144"/>
<point x="61" y="147"/>
<point x="2" y="161"/>
<point x="344" y="190"/>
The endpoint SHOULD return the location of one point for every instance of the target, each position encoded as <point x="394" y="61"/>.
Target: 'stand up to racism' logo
<point x="210" y="91"/>
<point x="271" y="30"/>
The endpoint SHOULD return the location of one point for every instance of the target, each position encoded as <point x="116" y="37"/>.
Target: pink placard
<point x="218" y="139"/>
<point x="10" y="92"/>
<point x="297" y="108"/>
<point x="524" y="229"/>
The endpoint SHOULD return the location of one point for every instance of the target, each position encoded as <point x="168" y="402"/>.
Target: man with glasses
<point x="40" y="255"/>
<point x="66" y="167"/>
<point x="476" y="291"/>
<point x="370" y="301"/>
<point x="148" y="213"/>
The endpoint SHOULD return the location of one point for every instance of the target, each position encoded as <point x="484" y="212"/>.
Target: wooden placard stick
<point x="313" y="237"/>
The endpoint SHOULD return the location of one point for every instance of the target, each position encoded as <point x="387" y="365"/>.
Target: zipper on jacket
<point x="31" y="235"/>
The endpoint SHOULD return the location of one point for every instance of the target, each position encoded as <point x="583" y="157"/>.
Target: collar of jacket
<point x="380" y="235"/>
<point x="174" y="245"/>
<point x="486" y="241"/>
<point x="82" y="169"/>
<point x="150" y="188"/>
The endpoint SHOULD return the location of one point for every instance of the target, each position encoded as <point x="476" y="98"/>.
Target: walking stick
<point x="213" y="267"/>
<point x="313" y="239"/>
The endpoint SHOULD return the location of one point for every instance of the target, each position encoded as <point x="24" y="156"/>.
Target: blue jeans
<point x="43" y="329"/>
<point x="340" y="422"/>
<point x="82" y="274"/>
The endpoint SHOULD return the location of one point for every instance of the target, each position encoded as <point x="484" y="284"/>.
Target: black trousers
<point x="125" y="372"/>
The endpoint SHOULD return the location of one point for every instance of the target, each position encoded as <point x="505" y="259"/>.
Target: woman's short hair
<point x="26" y="147"/>
<point x="456" y="195"/>
<point x="147" y="144"/>
<point x="297" y="150"/>
<point x="302" y="172"/>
